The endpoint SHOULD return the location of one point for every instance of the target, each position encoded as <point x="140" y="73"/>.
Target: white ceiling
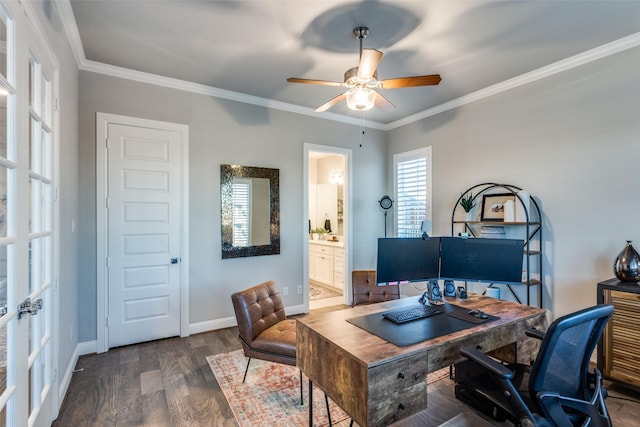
<point x="251" y="47"/>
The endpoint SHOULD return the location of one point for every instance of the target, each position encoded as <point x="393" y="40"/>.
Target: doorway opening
<point x="328" y="226"/>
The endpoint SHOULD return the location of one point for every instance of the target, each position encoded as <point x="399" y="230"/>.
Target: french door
<point x="28" y="391"/>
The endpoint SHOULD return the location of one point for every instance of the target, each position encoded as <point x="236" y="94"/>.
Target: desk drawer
<point x="490" y="340"/>
<point x="397" y="389"/>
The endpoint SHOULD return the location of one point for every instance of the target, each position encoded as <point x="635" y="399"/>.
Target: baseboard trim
<point x="297" y="309"/>
<point x="212" y="325"/>
<point x="81" y="349"/>
<point x="228" y="322"/>
<point x="90" y="347"/>
<point x="65" y="380"/>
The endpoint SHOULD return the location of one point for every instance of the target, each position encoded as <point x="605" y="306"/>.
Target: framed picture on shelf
<point x="493" y="206"/>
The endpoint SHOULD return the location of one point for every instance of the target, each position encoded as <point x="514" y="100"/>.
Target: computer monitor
<point x="407" y="259"/>
<point x="482" y="259"/>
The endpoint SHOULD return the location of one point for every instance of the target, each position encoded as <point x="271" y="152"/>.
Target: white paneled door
<point x="144" y="222"/>
<point x="142" y="238"/>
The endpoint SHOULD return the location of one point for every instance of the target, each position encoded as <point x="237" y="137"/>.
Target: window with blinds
<point x="412" y="191"/>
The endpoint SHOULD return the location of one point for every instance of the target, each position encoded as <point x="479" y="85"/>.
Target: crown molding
<point x="591" y="55"/>
<point x="71" y="29"/>
<point x="154" y="79"/>
<point x="68" y="19"/>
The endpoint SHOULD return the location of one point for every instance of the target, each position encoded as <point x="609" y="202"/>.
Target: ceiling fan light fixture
<point x="361" y="98"/>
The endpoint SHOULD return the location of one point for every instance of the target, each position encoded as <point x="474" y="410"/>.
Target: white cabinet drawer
<point x="321" y="249"/>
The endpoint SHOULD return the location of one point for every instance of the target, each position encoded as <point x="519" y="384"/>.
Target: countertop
<point x="327" y="243"/>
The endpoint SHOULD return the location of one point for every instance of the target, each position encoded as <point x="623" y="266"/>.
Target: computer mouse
<point x="478" y="314"/>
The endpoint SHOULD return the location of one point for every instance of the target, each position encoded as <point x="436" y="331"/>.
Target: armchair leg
<point x="301" y="398"/>
<point x="310" y="403"/>
<point x="246" y="370"/>
<point x="326" y="401"/>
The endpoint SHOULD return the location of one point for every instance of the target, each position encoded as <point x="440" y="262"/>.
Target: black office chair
<point x="557" y="390"/>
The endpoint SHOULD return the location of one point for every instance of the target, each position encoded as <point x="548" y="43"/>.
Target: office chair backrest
<point x="562" y="365"/>
<point x="257" y="308"/>
<point x="366" y="290"/>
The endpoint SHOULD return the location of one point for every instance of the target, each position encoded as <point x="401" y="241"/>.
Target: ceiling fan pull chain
<point x="361" y="128"/>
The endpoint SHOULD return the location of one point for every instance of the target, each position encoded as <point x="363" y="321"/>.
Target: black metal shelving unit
<point x="530" y="231"/>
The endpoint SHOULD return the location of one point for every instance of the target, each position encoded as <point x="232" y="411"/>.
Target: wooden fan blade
<point x="383" y="103"/>
<point x="369" y="63"/>
<point x="313" y="82"/>
<point x="331" y="103"/>
<point x="429" y="80"/>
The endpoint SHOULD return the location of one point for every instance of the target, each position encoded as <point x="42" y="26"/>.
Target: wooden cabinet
<point x="326" y="264"/>
<point x="619" y="346"/>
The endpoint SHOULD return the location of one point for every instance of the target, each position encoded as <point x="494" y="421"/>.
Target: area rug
<point x="271" y="394"/>
<point x="317" y="292"/>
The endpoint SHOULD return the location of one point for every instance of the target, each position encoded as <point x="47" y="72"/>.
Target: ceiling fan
<point x="363" y="79"/>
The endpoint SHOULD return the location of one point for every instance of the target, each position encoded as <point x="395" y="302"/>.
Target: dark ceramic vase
<point x="627" y="265"/>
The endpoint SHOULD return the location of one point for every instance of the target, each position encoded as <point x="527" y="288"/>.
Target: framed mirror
<point x="250" y="210"/>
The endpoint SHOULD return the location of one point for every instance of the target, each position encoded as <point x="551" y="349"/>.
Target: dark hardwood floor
<point x="169" y="383"/>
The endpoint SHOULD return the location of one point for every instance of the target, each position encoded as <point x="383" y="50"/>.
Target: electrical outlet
<point x="285" y="291"/>
<point x="299" y="289"/>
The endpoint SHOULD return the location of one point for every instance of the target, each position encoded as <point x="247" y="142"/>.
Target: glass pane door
<point x="26" y="223"/>
<point x="40" y="237"/>
<point x="7" y="220"/>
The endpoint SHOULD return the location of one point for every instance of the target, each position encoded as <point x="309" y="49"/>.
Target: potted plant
<point x="467" y="202"/>
<point x="317" y="233"/>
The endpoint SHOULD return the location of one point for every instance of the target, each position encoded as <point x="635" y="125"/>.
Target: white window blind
<point x="413" y="198"/>
<point x="241" y="210"/>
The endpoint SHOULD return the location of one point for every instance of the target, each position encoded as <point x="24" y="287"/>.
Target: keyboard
<point x="412" y="313"/>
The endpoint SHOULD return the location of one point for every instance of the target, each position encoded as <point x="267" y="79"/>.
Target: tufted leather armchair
<point x="263" y="329"/>
<point x="366" y="291"/>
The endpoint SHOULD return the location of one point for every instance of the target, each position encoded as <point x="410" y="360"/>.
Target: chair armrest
<point x="486" y="362"/>
<point x="534" y="333"/>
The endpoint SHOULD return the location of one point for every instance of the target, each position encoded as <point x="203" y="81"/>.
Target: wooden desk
<point x="378" y="383"/>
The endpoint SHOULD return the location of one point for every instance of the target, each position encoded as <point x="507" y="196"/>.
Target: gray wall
<point x="573" y="141"/>
<point x="223" y="131"/>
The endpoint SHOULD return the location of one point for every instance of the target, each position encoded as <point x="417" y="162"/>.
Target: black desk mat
<point x="463" y="314"/>
<point x="453" y="319"/>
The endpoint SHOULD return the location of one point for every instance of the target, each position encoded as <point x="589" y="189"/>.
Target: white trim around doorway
<point x="102" y="122"/>
<point x="348" y="225"/>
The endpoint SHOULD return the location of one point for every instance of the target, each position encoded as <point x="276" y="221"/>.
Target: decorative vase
<point x="627" y="265"/>
<point x="468" y="216"/>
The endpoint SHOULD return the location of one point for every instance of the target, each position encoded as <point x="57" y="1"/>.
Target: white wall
<point x="573" y="141"/>
<point x="223" y="131"/>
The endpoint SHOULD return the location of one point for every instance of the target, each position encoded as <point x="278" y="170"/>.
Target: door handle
<point x="176" y="260"/>
<point x="29" y="307"/>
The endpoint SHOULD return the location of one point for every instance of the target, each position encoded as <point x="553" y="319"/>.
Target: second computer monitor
<point x="482" y="260"/>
